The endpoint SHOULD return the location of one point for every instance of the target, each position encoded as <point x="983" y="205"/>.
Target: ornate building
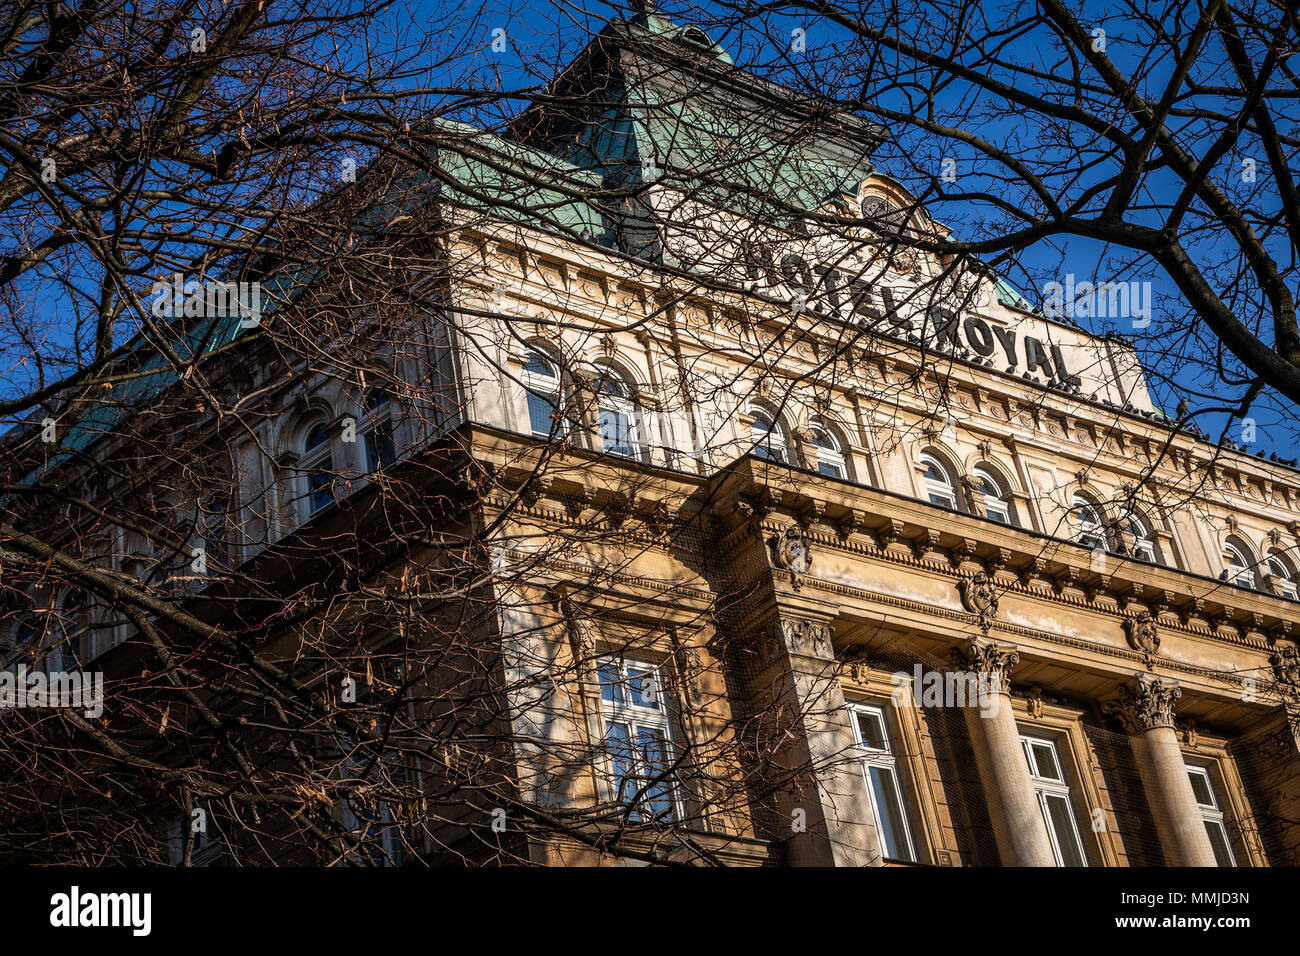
<point x="802" y="465"/>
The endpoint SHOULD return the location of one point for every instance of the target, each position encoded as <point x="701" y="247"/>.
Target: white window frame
<point x="882" y="759"/>
<point x="1280" y="569"/>
<point x="1211" y="813"/>
<point x="996" y="507"/>
<point x="547" y="387"/>
<point x="1094" y="528"/>
<point x="1048" y="787"/>
<point x="636" y="718"/>
<point x="830" y="452"/>
<point x="934" y="488"/>
<point x="771" y="443"/>
<point x="1244" y="573"/>
<point x="620" y="402"/>
<point x="1144" y="541"/>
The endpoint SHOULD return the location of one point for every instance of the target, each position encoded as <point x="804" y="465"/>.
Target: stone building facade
<point x="837" y="466"/>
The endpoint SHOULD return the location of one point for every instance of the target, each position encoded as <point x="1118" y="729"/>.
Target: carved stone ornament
<point x="980" y="597"/>
<point x="798" y="636"/>
<point x="1146" y="704"/>
<point x="1286" y="664"/>
<point x="1034" y="703"/>
<point x="1143" y="635"/>
<point x="792" y="552"/>
<point x="689" y="668"/>
<point x="988" y="657"/>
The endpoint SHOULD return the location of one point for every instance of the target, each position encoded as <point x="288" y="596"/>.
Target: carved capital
<point x="791" y="635"/>
<point x="988" y="657"/>
<point x="1146" y="704"/>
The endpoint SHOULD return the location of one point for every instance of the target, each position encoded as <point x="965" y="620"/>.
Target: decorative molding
<point x="800" y="636"/>
<point x="1143" y="635"/>
<point x="1285" y="659"/>
<point x="980" y="597"/>
<point x="988" y="657"/>
<point x="792" y="552"/>
<point x="1034" y="703"/>
<point x="1146" y="704"/>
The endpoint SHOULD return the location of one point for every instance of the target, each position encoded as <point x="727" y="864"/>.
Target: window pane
<point x="541" y="413"/>
<point x="1201" y="787"/>
<point x="893" y="830"/>
<point x="618" y="741"/>
<point x="870" y="731"/>
<point x="1219" y="841"/>
<point x="616" y="431"/>
<point x="826" y="468"/>
<point x="641" y="688"/>
<point x="609" y="678"/>
<point x="1061" y="820"/>
<point x="320" y="483"/>
<point x="538" y="366"/>
<point x="656" y="759"/>
<point x="317" y="437"/>
<point x="1045" y="759"/>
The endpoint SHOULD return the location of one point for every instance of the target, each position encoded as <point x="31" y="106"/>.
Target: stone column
<point x="1147" y="710"/>
<point x="1018" y="825"/>
<point x="825" y="817"/>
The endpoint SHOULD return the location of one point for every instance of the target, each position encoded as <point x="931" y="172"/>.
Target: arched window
<point x="1144" y="542"/>
<point x="1283" y="575"/>
<point x="318" y="466"/>
<point x="1240" y="565"/>
<point x="545" y="393"/>
<point x="377" y="439"/>
<point x="618" y="419"/>
<point x="939" y="486"/>
<point x="830" y="453"/>
<point x="769" y="437"/>
<point x="997" y="503"/>
<point x="1089" y="526"/>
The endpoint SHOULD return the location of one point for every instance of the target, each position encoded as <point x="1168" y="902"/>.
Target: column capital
<point x="984" y="656"/>
<point x="800" y="636"/>
<point x="1146" y="704"/>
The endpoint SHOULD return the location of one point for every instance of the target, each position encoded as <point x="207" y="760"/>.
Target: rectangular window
<point x="879" y="768"/>
<point x="638" y="739"/>
<point x="1215" y="827"/>
<point x="1054" y="800"/>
